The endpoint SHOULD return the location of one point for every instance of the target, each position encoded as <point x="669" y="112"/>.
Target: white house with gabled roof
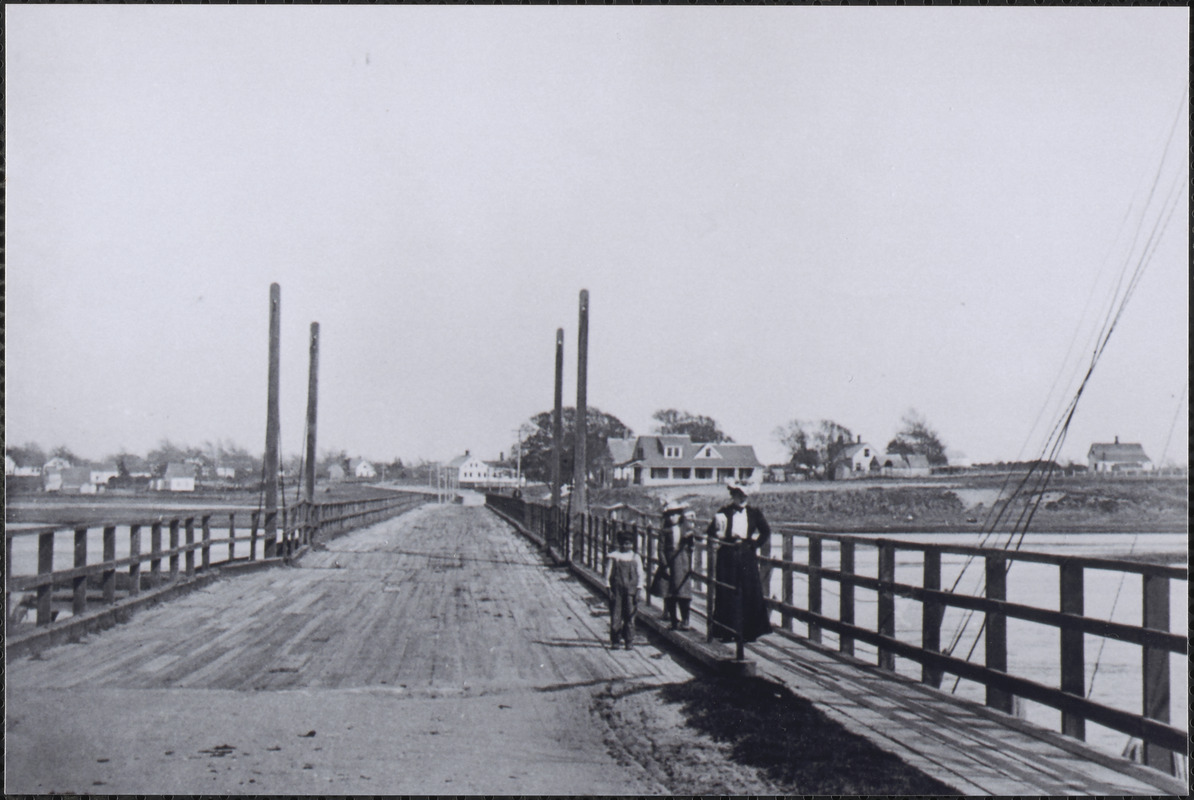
<point x="675" y="460"/>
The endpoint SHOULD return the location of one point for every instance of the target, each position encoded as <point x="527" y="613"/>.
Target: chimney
<point x="466" y="453"/>
<point x="501" y="455"/>
<point x="860" y="438"/>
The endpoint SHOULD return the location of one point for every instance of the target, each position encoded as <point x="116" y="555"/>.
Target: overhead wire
<point x="1046" y="460"/>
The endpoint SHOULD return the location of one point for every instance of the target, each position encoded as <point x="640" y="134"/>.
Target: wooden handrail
<point x="1156" y="642"/>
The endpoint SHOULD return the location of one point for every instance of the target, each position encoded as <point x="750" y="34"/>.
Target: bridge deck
<point x="436" y="653"/>
<point x="433" y="653"/>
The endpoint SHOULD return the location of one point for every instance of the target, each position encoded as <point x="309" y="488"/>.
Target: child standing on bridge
<point x="623" y="575"/>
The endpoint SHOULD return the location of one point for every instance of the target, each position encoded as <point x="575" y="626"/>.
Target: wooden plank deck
<point x="436" y="652"/>
<point x="446" y="604"/>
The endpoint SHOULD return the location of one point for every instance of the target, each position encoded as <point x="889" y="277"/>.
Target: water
<point x="1113" y="668"/>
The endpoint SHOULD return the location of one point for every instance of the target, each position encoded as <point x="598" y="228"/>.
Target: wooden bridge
<point x="442" y="650"/>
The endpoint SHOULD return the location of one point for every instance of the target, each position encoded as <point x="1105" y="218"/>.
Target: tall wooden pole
<point x="580" y="501"/>
<point x="557" y="422"/>
<point x="312" y="405"/>
<point x="272" y="424"/>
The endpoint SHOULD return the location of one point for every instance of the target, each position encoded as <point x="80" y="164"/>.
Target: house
<point x="858" y="460"/>
<point x="177" y="478"/>
<point x="10" y="465"/>
<point x="100" y="475"/>
<point x="619" y="452"/>
<point x="55" y="464"/>
<point x="911" y="465"/>
<point x="362" y="468"/>
<point x="675" y="460"/>
<point x="476" y="472"/>
<point x="69" y="480"/>
<point x="336" y="473"/>
<point x="1118" y="457"/>
<point x="226" y="473"/>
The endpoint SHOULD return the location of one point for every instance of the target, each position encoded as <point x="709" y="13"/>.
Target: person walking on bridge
<point x="623" y="576"/>
<point x="740" y="529"/>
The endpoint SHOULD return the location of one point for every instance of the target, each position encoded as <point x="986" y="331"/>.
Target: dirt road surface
<point x="433" y="653"/>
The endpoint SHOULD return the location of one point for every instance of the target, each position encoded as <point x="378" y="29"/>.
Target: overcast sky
<point x="778" y="212"/>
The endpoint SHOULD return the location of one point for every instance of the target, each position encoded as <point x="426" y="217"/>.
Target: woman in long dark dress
<point x="741" y="529"/>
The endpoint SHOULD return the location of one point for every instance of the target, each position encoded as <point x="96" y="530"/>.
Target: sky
<point x="779" y="213"/>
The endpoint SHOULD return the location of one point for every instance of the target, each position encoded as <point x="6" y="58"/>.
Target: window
<point x="681" y="472"/>
<point x="704" y="473"/>
<point x="723" y="473"/>
<point x="671" y="451"/>
<point x="658" y="473"/>
<point x="745" y="472"/>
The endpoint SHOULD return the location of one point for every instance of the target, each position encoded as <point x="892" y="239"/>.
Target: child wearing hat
<point x="673" y="580"/>
<point x="623" y="575"/>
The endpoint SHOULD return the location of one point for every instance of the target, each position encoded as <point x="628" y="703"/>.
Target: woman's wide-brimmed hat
<point x="674" y="505"/>
<point x="738" y="486"/>
<point x="625" y="536"/>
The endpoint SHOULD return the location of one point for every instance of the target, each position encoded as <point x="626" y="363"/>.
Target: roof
<point x="460" y="461"/>
<point x="621" y="450"/>
<point x="176" y="470"/>
<point x="1117" y="451"/>
<point x="732" y="455"/>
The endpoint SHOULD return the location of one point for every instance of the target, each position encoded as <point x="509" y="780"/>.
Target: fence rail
<point x="587" y="539"/>
<point x="189" y="540"/>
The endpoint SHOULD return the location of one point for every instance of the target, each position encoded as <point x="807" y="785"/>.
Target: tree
<point x="62" y="451"/>
<point x="537" y="442"/>
<point x="795" y="437"/>
<point x="916" y="437"/>
<point x="700" y="429"/>
<point x="30" y="454"/>
<point x="831" y="439"/>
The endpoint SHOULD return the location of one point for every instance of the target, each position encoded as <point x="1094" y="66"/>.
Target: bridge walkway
<point x="433" y="653"/>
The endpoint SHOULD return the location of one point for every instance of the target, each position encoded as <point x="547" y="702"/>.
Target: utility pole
<point x="580" y="502"/>
<point x="557" y="422"/>
<point x="272" y="425"/>
<point x="312" y="404"/>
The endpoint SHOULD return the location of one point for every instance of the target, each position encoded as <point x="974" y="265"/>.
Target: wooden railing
<point x="587" y="539"/>
<point x="189" y="549"/>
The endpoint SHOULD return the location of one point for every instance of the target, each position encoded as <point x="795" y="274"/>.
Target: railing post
<point x="7" y="579"/>
<point x="174" y="523"/>
<point x="996" y="636"/>
<point x="845" y="612"/>
<point x="255" y="521"/>
<point x="931" y="613"/>
<point x="814" y="586"/>
<point x="109" y="575"/>
<point x="190" y="557"/>
<point x="45" y="565"/>
<point x="1073" y="649"/>
<point x="135" y="554"/>
<point x="787" y="593"/>
<point x="710" y="586"/>
<point x="1156" y="667"/>
<point x="79" y="601"/>
<point x="205" y="561"/>
<point x="766" y="570"/>
<point x="886" y="612"/>
<point x="231" y="535"/>
<point x="652" y="557"/>
<point x="155" y="551"/>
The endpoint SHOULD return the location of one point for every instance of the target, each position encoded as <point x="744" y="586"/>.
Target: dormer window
<point x="672" y="451"/>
